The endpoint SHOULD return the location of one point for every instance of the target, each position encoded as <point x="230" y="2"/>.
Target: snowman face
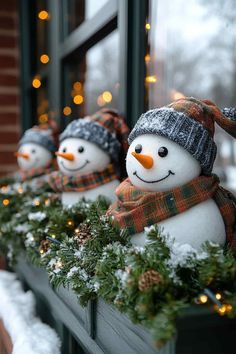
<point x="32" y="155"/>
<point x="155" y="163"/>
<point x="78" y="156"/>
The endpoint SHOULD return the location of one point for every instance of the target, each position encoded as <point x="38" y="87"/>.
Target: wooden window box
<point x="100" y="328"/>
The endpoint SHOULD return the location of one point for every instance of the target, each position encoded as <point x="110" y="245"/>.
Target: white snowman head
<point x="37" y="146"/>
<point x="79" y="156"/>
<point x="155" y="163"/>
<point x="90" y="144"/>
<point x="33" y="156"/>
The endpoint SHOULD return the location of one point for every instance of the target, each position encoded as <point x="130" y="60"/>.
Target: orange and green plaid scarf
<point x="79" y="183"/>
<point x="37" y="172"/>
<point x="136" y="209"/>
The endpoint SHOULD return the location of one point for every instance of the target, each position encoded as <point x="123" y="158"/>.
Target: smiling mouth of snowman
<point x="158" y="180"/>
<point x="75" y="169"/>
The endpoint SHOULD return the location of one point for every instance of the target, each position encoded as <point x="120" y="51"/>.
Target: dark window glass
<point x="91" y="80"/>
<point x="78" y="11"/>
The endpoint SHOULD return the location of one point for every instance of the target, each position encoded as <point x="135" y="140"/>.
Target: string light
<point x="78" y="99"/>
<point x="43" y="15"/>
<point x="47" y="202"/>
<point x="36" y="83"/>
<point x="41" y="251"/>
<point x="147" y="58"/>
<point x="43" y="118"/>
<point x="148" y="26"/>
<point x="151" y="79"/>
<point x="77" y="231"/>
<point x="77" y="86"/>
<point x="67" y="110"/>
<point x="70" y="223"/>
<point x="107" y="96"/>
<point x="100" y="101"/>
<point x="6" y="202"/>
<point x="36" y="202"/>
<point x="203" y="299"/>
<point x="20" y="190"/>
<point x="53" y="236"/>
<point x="218" y="296"/>
<point x="44" y="58"/>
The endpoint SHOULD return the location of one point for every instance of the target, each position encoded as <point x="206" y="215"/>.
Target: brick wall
<point x="9" y="86"/>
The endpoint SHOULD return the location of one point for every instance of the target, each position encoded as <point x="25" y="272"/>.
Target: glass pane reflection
<point x="91" y="81"/>
<point x="191" y="52"/>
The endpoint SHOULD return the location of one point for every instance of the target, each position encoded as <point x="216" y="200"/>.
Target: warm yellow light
<point x="107" y="96"/>
<point x="100" y="101"/>
<point x="77" y="86"/>
<point x="53" y="236"/>
<point x="44" y="58"/>
<point x="203" y="299"/>
<point x="43" y="118"/>
<point x="148" y="26"/>
<point x="43" y="15"/>
<point x="41" y="251"/>
<point x="222" y="310"/>
<point x="229" y="308"/>
<point x="176" y="95"/>
<point x="78" y="99"/>
<point x="6" y="202"/>
<point x="36" y="83"/>
<point x="37" y="202"/>
<point x="218" y="296"/>
<point x="70" y="223"/>
<point x="77" y="231"/>
<point x="67" y="110"/>
<point x="20" y="190"/>
<point x="151" y="79"/>
<point x="147" y="58"/>
<point x="47" y="202"/>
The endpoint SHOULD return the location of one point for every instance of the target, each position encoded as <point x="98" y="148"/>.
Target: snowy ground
<point x="17" y="310"/>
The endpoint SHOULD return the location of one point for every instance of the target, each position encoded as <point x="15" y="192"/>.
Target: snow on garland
<point x="17" y="310"/>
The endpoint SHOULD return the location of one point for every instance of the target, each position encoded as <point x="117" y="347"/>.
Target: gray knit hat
<point x="105" y="128"/>
<point x="190" y="123"/>
<point x="44" y="135"/>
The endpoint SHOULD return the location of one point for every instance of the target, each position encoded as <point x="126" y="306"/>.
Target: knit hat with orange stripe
<point x="190" y="123"/>
<point x="106" y="128"/>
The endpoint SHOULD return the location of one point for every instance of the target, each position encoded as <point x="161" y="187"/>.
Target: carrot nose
<point x="145" y="160"/>
<point x="22" y="154"/>
<point x="65" y="155"/>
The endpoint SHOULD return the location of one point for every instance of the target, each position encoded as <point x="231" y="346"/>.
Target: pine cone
<point x="148" y="279"/>
<point x="45" y="245"/>
<point x="82" y="234"/>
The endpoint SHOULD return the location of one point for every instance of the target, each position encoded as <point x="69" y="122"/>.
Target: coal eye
<point x="81" y="149"/>
<point x="163" y="151"/>
<point x="138" y="148"/>
<point x="33" y="151"/>
<point x="64" y="149"/>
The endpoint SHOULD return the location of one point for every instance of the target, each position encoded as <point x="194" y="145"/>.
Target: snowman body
<point x="80" y="157"/>
<point x="156" y="164"/>
<point x="33" y="156"/>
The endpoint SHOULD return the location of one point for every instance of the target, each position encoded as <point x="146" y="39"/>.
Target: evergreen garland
<point x="81" y="249"/>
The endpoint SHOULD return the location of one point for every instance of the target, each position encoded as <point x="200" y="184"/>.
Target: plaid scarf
<point x="136" y="209"/>
<point x="79" y="183"/>
<point x="37" y="172"/>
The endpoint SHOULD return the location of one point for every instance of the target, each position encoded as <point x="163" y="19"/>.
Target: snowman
<point x="170" y="181"/>
<point x="36" y="150"/>
<point x="89" y="157"/>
